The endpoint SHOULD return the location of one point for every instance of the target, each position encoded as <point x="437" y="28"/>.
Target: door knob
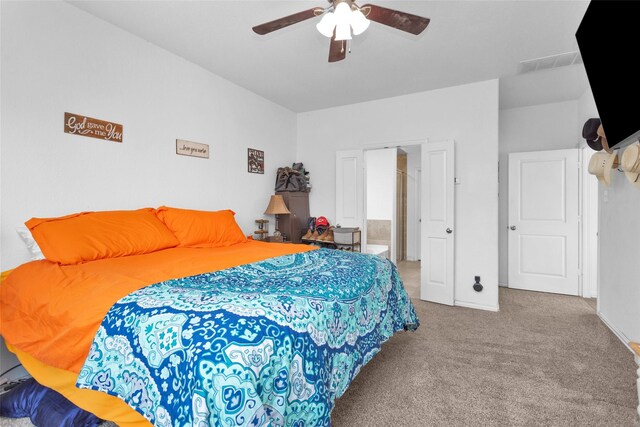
<point x="449" y="231"/>
<point x="513" y="227"/>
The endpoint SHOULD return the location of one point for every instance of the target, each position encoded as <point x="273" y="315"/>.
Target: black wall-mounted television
<point x="609" y="42"/>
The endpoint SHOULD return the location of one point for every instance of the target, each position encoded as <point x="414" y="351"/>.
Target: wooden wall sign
<point x="94" y="128"/>
<point x="255" y="161"/>
<point x="193" y="149"/>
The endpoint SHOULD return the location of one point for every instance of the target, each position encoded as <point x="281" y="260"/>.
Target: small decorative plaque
<point x="193" y="149"/>
<point x="255" y="161"/>
<point x="94" y="128"/>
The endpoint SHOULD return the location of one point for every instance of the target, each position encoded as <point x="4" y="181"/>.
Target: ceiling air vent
<point x="549" y="62"/>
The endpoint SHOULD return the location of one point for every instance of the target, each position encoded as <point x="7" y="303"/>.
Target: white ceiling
<point x="467" y="41"/>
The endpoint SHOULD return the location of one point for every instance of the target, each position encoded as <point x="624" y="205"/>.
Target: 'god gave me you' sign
<point x="94" y="128"/>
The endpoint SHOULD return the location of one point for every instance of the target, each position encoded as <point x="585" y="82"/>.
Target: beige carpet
<point x="410" y="273"/>
<point x="543" y="360"/>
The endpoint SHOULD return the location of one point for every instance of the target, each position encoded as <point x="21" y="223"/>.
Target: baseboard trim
<point x="622" y="337"/>
<point x="476" y="306"/>
<point x="504" y="285"/>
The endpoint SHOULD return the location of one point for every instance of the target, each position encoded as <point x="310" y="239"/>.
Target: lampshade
<point x="327" y="24"/>
<point x="276" y="206"/>
<point x="359" y="22"/>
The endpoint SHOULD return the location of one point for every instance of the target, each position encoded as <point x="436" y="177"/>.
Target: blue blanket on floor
<point x="44" y="407"/>
<point x="272" y="343"/>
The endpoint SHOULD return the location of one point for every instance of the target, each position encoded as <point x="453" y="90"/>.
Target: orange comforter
<point x="52" y="312"/>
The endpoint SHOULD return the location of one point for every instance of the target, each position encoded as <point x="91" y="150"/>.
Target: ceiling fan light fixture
<point x="343" y="31"/>
<point x="344" y="18"/>
<point x="342" y="13"/>
<point x="359" y="22"/>
<point x="327" y="24"/>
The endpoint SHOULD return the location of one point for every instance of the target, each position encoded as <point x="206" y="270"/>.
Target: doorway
<point x="392" y="202"/>
<point x="433" y="239"/>
<point x="392" y="208"/>
<point x="408" y="201"/>
<point x="401" y="206"/>
<point x="380" y="211"/>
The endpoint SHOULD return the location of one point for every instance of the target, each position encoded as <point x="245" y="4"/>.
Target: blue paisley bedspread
<point x="272" y="343"/>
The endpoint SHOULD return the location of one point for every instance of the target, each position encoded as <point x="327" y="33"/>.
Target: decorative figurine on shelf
<point x="261" y="232"/>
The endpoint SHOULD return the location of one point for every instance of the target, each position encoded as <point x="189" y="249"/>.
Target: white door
<point x="437" y="240"/>
<point x="350" y="189"/>
<point x="543" y="221"/>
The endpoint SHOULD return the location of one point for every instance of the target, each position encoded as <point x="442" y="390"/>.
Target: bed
<point x="241" y="334"/>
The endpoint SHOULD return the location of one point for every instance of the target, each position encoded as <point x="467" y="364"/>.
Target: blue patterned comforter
<point x="272" y="343"/>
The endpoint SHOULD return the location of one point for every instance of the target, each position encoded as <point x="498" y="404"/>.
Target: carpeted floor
<point x="543" y="360"/>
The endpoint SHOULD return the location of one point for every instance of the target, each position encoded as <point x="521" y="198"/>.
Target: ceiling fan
<point x="344" y="16"/>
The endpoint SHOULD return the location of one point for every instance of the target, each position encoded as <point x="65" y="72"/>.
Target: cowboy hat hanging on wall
<point x="630" y="164"/>
<point x="601" y="165"/>
<point x="590" y="133"/>
<point x="593" y="133"/>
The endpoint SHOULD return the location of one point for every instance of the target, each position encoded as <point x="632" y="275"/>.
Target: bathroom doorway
<point x="392" y="202"/>
<point x="360" y="183"/>
<point x="401" y="205"/>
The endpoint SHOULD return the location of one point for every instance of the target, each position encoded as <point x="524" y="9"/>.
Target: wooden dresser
<point x="294" y="226"/>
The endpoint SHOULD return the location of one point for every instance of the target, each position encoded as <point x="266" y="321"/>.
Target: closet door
<point x="544" y="221"/>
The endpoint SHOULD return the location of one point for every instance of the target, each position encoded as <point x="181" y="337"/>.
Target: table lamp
<point x="276" y="207"/>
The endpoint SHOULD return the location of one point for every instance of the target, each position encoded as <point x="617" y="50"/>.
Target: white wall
<point x="414" y="162"/>
<point x="381" y="171"/>
<point x="467" y="114"/>
<point x="619" y="295"/>
<point x="536" y="128"/>
<point x="56" y="59"/>
<point x="587" y="108"/>
<point x="619" y="246"/>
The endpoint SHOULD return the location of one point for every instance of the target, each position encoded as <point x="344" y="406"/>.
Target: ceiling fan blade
<point x="337" y="49"/>
<point x="413" y="24"/>
<point x="277" y="24"/>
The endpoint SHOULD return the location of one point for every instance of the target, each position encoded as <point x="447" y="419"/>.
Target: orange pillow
<point x="89" y="236"/>
<point x="202" y="229"/>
